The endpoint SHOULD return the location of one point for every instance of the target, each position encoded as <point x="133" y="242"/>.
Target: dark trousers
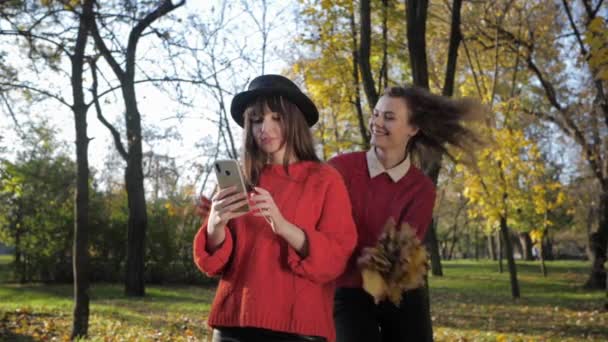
<point x="359" y="319"/>
<point x="237" y="334"/>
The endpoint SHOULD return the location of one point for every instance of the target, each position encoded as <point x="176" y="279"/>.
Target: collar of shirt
<point x="376" y="168"/>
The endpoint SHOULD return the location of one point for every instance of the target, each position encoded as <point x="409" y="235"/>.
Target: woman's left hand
<point x="265" y="206"/>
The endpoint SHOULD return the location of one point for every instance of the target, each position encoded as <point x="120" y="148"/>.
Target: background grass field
<point x="472" y="302"/>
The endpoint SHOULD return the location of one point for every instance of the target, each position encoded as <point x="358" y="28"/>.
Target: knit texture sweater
<point x="264" y="283"/>
<point x="375" y="200"/>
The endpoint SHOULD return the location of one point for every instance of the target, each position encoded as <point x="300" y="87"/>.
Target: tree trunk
<point x="518" y="245"/>
<point x="81" y="223"/>
<point x="383" y="74"/>
<point x="598" y="243"/>
<point x="416" y="13"/>
<point x="19" y="263"/>
<point x="526" y="243"/>
<point x="433" y="246"/>
<point x="541" y="256"/>
<point x="500" y="250"/>
<point x="453" y="243"/>
<point x="476" y="244"/>
<point x="357" y="100"/>
<point x="364" y="53"/>
<point x="589" y="226"/>
<point x="492" y="247"/>
<point x="138" y="220"/>
<point x="138" y="217"/>
<point x="548" y="246"/>
<point x="431" y="235"/>
<point x="455" y="39"/>
<point x="510" y="260"/>
<point x="467" y="248"/>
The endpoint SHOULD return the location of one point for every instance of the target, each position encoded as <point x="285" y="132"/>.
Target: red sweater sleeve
<point x="420" y="213"/>
<point x="211" y="263"/>
<point x="332" y="241"/>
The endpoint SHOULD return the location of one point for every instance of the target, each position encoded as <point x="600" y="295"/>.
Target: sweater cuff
<point x="213" y="263"/>
<point x="316" y="243"/>
<point x="293" y="258"/>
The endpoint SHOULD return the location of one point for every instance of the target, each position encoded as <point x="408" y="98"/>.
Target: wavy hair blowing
<point x="296" y="134"/>
<point x="440" y="120"/>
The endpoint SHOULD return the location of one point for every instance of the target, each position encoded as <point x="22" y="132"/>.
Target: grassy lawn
<point x="472" y="302"/>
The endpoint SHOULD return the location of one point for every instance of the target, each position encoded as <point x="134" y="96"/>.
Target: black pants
<point x="359" y="319"/>
<point x="234" y="334"/>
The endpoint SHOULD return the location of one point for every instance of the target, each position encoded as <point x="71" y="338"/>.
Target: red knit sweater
<point x="264" y="283"/>
<point x="375" y="200"/>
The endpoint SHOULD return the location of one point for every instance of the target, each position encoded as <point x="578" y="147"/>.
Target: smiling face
<point x="389" y="124"/>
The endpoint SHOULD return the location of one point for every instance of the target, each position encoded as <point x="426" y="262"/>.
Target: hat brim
<point x="241" y="101"/>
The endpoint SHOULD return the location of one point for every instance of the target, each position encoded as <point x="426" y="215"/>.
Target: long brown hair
<point x="296" y="136"/>
<point x="440" y="120"/>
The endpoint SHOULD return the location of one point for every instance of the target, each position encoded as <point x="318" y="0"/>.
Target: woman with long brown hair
<point x="385" y="184"/>
<point x="277" y="263"/>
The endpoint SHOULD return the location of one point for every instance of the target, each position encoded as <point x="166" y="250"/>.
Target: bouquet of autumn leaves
<point x="397" y="263"/>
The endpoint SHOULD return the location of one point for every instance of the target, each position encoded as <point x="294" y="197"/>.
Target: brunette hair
<point x="440" y="121"/>
<point x="296" y="136"/>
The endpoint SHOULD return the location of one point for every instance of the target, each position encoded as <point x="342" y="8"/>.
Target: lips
<point x="266" y="140"/>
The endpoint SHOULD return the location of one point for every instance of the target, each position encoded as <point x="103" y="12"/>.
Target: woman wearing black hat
<point x="278" y="263"/>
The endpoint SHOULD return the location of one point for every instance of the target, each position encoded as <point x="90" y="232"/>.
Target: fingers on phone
<point x="223" y="193"/>
<point x="235" y="205"/>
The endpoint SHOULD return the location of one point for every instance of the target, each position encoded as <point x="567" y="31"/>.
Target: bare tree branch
<point x="13" y="115"/>
<point x="36" y="90"/>
<point x="597" y="8"/>
<point x="576" y="31"/>
<point x="107" y="54"/>
<point x="166" y="7"/>
<point x="164" y="79"/>
<point x="115" y="134"/>
<point x="28" y="35"/>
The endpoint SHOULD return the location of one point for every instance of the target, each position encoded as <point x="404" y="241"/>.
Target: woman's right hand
<point x="223" y="206"/>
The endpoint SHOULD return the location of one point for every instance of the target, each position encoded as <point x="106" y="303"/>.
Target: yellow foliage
<point x="509" y="181"/>
<point x="374" y="284"/>
<point x="396" y="264"/>
<point x="536" y="236"/>
<point x="596" y="38"/>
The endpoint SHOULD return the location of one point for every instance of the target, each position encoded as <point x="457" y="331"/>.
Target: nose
<point x="376" y="120"/>
<point x="265" y="123"/>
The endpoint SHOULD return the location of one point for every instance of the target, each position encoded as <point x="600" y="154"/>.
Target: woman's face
<point x="268" y="133"/>
<point x="389" y="124"/>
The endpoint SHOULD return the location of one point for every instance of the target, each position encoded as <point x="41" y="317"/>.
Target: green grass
<point x="167" y="313"/>
<point x="472" y="302"/>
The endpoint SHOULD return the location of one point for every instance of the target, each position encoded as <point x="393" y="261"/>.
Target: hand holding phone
<point x="228" y="174"/>
<point x="231" y="200"/>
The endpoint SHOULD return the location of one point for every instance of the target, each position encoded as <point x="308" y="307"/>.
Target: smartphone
<point x="228" y="173"/>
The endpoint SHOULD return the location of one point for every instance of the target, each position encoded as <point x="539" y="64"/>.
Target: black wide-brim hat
<point x="273" y="85"/>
